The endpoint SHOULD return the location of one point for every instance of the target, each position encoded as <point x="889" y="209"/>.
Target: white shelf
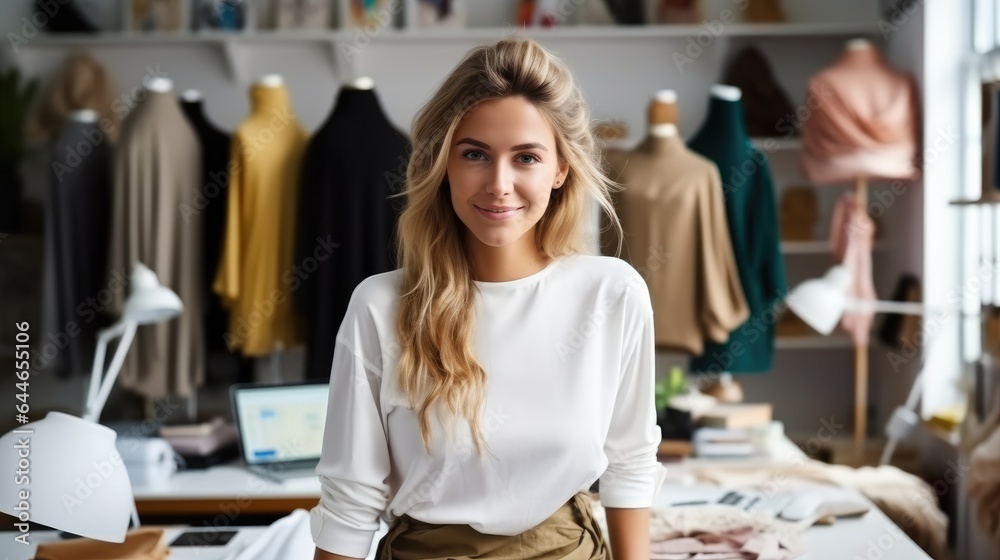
<point x="791" y="30"/>
<point x="817" y="247"/>
<point x="776" y="144"/>
<point x="812" y="342"/>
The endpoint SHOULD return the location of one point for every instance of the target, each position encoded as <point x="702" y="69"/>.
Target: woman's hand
<point x="629" y="530"/>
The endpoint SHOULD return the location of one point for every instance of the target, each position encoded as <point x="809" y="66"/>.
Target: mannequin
<point x="865" y="126"/>
<point x="751" y="216"/>
<point x="663" y="113"/>
<point x="669" y="193"/>
<point x="271" y="80"/>
<point x="191" y="96"/>
<point x="159" y="85"/>
<point x="76" y="239"/>
<point x="362" y="83"/>
<point x="865" y="120"/>
<point x="258" y="243"/>
<point x="347" y="178"/>
<point x="157" y="165"/>
<point x="84" y="116"/>
<point x="215" y="144"/>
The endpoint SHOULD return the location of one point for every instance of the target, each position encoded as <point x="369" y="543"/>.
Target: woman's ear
<point x="561" y="175"/>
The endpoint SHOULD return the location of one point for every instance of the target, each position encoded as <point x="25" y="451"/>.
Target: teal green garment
<point x="753" y="228"/>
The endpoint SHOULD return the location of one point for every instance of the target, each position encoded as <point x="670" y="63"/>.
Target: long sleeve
<point x="772" y="262"/>
<point x="305" y="223"/>
<point x="227" y="279"/>
<point x="634" y="475"/>
<point x="355" y="459"/>
<point x="724" y="307"/>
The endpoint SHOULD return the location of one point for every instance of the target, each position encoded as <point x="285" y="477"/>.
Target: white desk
<point x="227" y="489"/>
<point x="231" y="489"/>
<point x="870" y="536"/>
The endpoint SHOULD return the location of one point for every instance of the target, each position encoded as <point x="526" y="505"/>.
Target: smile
<point x="498" y="214"/>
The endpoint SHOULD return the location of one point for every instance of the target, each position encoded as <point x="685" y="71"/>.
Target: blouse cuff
<point x="635" y="489"/>
<point x="333" y="536"/>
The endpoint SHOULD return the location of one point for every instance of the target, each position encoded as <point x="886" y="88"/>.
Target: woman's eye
<point x="527" y="159"/>
<point x="479" y="156"/>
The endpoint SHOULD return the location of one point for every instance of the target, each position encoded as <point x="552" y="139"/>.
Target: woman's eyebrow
<point x="485" y="146"/>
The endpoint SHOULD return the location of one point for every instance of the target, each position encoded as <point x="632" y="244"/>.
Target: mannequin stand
<point x="860" y="358"/>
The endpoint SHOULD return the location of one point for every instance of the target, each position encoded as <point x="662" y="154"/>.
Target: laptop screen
<point x="281" y="423"/>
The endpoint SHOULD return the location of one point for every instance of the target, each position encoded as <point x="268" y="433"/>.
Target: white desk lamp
<point x="74" y="479"/>
<point x="821" y="302"/>
<point x="148" y="303"/>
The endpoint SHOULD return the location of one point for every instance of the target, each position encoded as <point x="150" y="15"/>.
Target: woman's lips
<point x="507" y="214"/>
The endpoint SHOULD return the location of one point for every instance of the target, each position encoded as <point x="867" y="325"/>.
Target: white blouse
<point x="569" y="355"/>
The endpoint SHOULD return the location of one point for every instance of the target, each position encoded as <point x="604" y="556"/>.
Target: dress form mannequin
<point x="726" y="93"/>
<point x="346" y="183"/>
<point x="866" y="119"/>
<point x="866" y="126"/>
<point x="84" y="116"/>
<point x="672" y="205"/>
<point x="751" y="215"/>
<point x="362" y="83"/>
<point x="264" y="227"/>
<point x="663" y="113"/>
<point x="159" y="85"/>
<point x="271" y="80"/>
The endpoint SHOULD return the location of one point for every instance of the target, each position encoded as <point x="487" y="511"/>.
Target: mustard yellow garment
<point x="255" y="274"/>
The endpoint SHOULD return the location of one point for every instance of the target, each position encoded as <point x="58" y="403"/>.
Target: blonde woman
<point x="480" y="390"/>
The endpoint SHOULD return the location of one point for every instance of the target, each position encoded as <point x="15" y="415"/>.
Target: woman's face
<point x="502" y="168"/>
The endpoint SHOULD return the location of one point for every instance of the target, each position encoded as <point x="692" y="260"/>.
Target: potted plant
<point x="674" y="424"/>
<point x="15" y="98"/>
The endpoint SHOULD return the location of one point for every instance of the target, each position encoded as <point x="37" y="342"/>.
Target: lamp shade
<point x="150" y="302"/>
<point x="73" y="478"/>
<point x="821" y="302"/>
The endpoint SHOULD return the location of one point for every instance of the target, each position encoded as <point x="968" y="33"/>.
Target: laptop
<point x="280" y="427"/>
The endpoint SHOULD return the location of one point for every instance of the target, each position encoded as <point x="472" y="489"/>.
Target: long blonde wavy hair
<point x="436" y="307"/>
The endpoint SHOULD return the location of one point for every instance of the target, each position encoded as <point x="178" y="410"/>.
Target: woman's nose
<point x="500" y="181"/>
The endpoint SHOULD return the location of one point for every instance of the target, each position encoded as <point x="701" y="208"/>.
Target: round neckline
<point x="530" y="279"/>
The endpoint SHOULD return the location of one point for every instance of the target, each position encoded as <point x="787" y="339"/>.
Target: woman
<point x="481" y="389"/>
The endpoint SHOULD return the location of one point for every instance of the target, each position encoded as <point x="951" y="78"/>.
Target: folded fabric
<point x="140" y="544"/>
<point x="905" y="499"/>
<point x="717" y="532"/>
<point x="288" y="538"/>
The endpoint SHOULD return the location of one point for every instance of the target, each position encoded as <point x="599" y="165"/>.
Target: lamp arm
<point x="100" y="387"/>
<point x="104" y="337"/>
<point x="901" y="307"/>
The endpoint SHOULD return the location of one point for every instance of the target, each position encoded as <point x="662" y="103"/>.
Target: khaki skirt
<point x="571" y="533"/>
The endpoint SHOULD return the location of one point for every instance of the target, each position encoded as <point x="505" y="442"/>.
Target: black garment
<point x="63" y="17"/>
<point x="627" y="12"/>
<point x="76" y="247"/>
<point x="346" y="222"/>
<point x="211" y="210"/>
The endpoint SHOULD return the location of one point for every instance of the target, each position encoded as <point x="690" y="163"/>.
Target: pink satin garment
<point x="863" y="121"/>
<point x="852" y="234"/>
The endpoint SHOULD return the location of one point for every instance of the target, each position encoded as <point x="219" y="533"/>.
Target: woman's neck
<point x="503" y="264"/>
